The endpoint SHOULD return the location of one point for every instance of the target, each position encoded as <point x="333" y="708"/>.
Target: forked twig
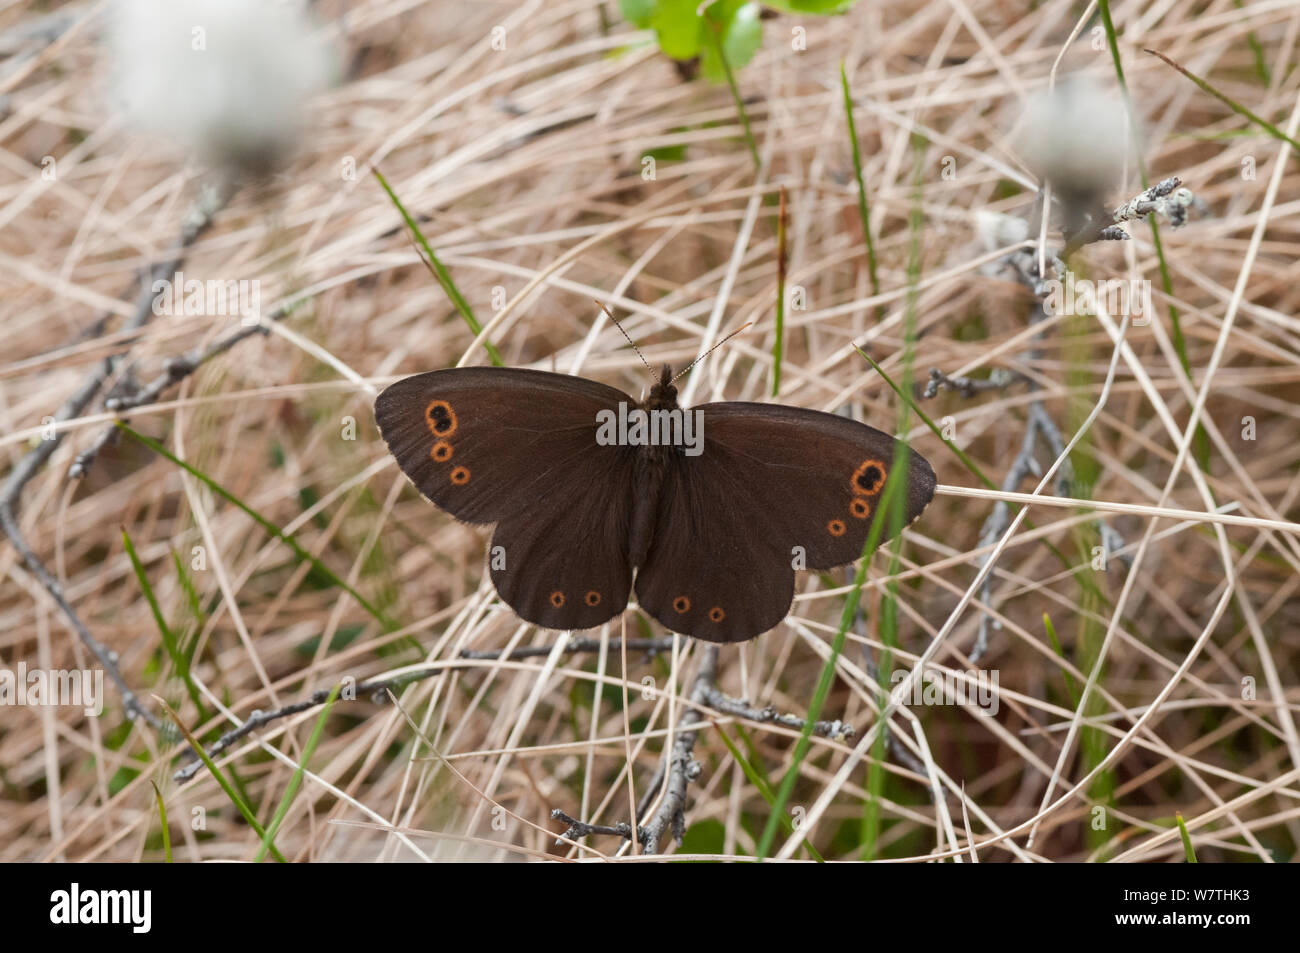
<point x="680" y="767"/>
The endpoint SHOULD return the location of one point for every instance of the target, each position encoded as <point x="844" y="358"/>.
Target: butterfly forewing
<point x="817" y="477"/>
<point x="518" y="448"/>
<point x="485" y="443"/>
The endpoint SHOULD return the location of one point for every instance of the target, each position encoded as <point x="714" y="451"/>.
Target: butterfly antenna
<point x="712" y="349"/>
<point x="626" y="335"/>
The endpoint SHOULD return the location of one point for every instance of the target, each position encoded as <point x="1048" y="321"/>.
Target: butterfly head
<point x="663" y="395"/>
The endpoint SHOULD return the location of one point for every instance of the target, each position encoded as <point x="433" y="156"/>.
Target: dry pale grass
<point x="526" y="166"/>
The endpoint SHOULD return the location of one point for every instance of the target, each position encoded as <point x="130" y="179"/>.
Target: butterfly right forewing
<point x="485" y="443"/>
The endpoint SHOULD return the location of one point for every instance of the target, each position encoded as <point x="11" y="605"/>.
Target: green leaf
<point x="638" y="12"/>
<point x="821" y="8"/>
<point x="704" y="837"/>
<point x="742" y="35"/>
<point x="678" y="27"/>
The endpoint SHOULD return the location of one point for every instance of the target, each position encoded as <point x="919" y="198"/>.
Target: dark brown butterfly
<point x="713" y="531"/>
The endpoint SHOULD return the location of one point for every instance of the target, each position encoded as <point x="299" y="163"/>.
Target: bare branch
<point x="211" y="200"/>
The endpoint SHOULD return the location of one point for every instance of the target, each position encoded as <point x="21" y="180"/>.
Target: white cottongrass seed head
<point x="1077" y="137"/>
<point x="228" y="80"/>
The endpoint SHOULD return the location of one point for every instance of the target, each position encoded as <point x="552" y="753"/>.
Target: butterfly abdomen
<point x="647" y="483"/>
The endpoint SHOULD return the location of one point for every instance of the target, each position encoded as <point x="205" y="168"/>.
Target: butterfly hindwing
<point x="711" y="572"/>
<point x="565" y="564"/>
<point x="518" y="447"/>
<point x="775" y="489"/>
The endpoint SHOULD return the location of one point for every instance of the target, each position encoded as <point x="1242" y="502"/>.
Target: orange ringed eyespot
<point x="593" y="598"/>
<point x="860" y="508"/>
<point x="716" y="614"/>
<point x="460" y="476"/>
<point x="441" y="452"/>
<point x="682" y="605"/>
<point x="440" y="418"/>
<point x="835" y="527"/>
<point x="557" y="598"/>
<point x="868" y="477"/>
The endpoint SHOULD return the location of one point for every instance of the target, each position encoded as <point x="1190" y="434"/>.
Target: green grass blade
<point x="296" y="781"/>
<point x="162" y="817"/>
<point x="191" y="593"/>
<point x="864" y="210"/>
<point x="764" y="789"/>
<point x="967" y="462"/>
<point x="915" y="408"/>
<point x="261" y="521"/>
<point x="888" y="623"/>
<point x="1232" y="104"/>
<point x="1188" y="851"/>
<point x="1257" y="52"/>
<point x="222" y="780"/>
<point x="440" y="272"/>
<point x="714" y="33"/>
<point x="180" y="660"/>
<point x="828" y="670"/>
<point x="1059" y="650"/>
<point x="890" y="500"/>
